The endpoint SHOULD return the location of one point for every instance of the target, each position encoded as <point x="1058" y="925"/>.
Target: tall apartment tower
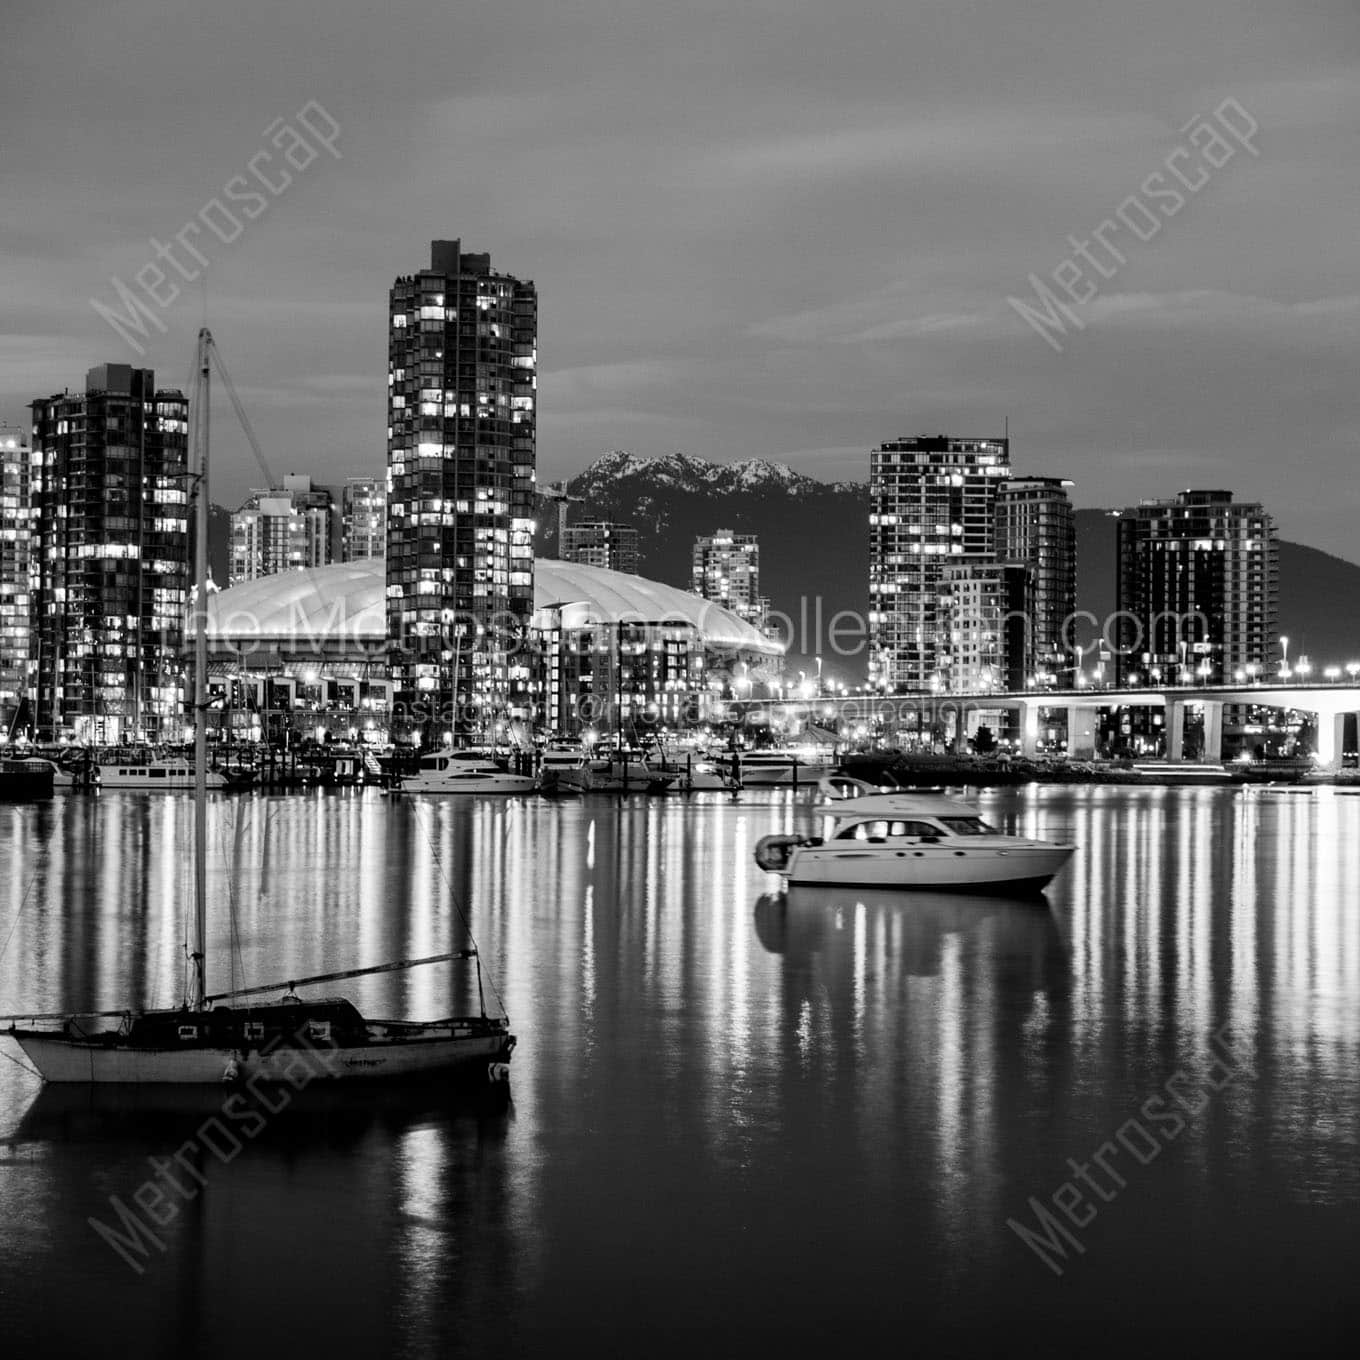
<point x="726" y="569"/>
<point x="601" y="543"/>
<point x="462" y="405"/>
<point x="1198" y="588"/>
<point x="15" y="559"/>
<point x="283" y="529"/>
<point x="984" y="620"/>
<point x="1036" y="525"/>
<point x="363" y="519"/>
<point x="111" y="557"/>
<point x="931" y="499"/>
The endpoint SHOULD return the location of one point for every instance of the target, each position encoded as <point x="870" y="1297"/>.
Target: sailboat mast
<point x="200" y="982"/>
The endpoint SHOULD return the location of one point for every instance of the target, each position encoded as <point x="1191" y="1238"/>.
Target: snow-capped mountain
<point x="813" y="535"/>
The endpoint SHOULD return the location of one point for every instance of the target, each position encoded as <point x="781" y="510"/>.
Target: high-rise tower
<point x="931" y="499"/>
<point x="15" y="556"/>
<point x="1198" y="588"/>
<point x="110" y="547"/>
<point x="462" y="406"/>
<point x="1036" y="525"/>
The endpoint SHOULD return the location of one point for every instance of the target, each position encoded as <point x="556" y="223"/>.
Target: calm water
<point x="737" y="1119"/>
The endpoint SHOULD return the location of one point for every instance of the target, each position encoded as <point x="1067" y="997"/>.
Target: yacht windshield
<point x="967" y="826"/>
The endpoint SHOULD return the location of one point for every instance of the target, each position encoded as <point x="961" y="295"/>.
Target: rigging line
<point x="23" y="902"/>
<point x="241" y="414"/>
<point x="19" y="1062"/>
<point x="453" y="897"/>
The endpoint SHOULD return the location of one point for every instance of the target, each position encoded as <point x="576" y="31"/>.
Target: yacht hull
<point x="507" y="783"/>
<point x="63" y="1060"/>
<point x="937" y="868"/>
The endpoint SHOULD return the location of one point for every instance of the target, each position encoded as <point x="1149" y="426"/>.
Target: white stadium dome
<point x="342" y="608"/>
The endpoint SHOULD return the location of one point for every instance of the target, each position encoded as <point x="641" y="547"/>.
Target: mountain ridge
<point x="815" y="553"/>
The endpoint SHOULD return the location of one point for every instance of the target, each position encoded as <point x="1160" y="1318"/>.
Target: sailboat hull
<point x="62" y="1059"/>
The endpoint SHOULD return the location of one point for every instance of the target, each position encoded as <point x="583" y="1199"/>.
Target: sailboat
<point x="223" y="1037"/>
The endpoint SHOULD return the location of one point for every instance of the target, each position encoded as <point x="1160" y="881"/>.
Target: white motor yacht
<point x="464" y="772"/>
<point x="803" y="765"/>
<point x="912" y="840"/>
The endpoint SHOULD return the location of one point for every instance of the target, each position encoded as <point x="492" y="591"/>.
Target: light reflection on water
<point x="735" y="1112"/>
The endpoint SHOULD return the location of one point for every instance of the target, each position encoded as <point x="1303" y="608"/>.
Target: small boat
<point x="1185" y="772"/>
<point x="167" y="776"/>
<point x="796" y="766"/>
<point x="625" y="773"/>
<point x="695" y="774"/>
<point x="464" y="772"/>
<point x="563" y="772"/>
<point x="26" y="778"/>
<point x="286" y="1038"/>
<point x="912" y="840"/>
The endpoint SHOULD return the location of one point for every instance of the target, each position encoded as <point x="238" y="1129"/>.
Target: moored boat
<point x="464" y="772"/>
<point x="167" y="776"/>
<point x="912" y="840"/>
<point x="774" y="768"/>
<point x="24" y="779"/>
<point x="203" y="1042"/>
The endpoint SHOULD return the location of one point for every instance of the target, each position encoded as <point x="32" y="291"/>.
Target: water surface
<point x="738" y="1118"/>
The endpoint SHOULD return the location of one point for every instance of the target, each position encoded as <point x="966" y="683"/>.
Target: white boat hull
<point x="505" y="783"/>
<point x="782" y="776"/>
<point x="169" y="782"/>
<point x="59" y="1059"/>
<point x="940" y="867"/>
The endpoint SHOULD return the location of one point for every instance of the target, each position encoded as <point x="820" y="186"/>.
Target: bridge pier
<point x="1175" y="729"/>
<point x="1331" y="735"/>
<point x="1081" y="731"/>
<point x="1213" y="731"/>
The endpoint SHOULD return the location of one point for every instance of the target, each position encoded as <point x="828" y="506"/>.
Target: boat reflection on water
<point x="152" y="1113"/>
<point x="805" y="921"/>
<point x="334" y="1220"/>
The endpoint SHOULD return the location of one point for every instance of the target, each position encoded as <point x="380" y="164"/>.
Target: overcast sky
<point x="758" y="227"/>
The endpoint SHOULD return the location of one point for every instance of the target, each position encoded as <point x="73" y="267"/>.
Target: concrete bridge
<point x="1329" y="703"/>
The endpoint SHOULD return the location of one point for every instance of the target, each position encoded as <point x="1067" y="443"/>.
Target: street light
<point x="1353" y="669"/>
<point x="1332" y="673"/>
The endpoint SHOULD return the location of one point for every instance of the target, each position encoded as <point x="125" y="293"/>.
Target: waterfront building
<point x="601" y="543"/>
<point x="1198" y="589"/>
<point x="1036" y="524"/>
<point x="110" y="549"/>
<point x="984" y="615"/>
<point x="462" y="398"/>
<point x="363" y="519"/>
<point x="615" y="654"/>
<point x="285" y="528"/>
<point x="726" y="569"/>
<point x="15" y="557"/>
<point x="931" y="499"/>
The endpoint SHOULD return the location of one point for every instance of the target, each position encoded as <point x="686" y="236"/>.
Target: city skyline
<point x="922" y="203"/>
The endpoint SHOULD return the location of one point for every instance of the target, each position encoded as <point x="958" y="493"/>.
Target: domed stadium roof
<point x="340" y="608"/>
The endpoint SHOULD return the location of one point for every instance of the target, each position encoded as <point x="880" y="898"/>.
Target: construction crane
<point x="557" y="491"/>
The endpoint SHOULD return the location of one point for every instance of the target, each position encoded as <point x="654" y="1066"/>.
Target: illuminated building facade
<point x="462" y="399"/>
<point x="931" y="499"/>
<point x="110" y="544"/>
<point x="984" y="616"/>
<point x="287" y="528"/>
<point x="363" y="519"/>
<point x="726" y="570"/>
<point x="1198" y="596"/>
<point x="600" y="543"/>
<point x="1036" y="524"/>
<point x="15" y="539"/>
